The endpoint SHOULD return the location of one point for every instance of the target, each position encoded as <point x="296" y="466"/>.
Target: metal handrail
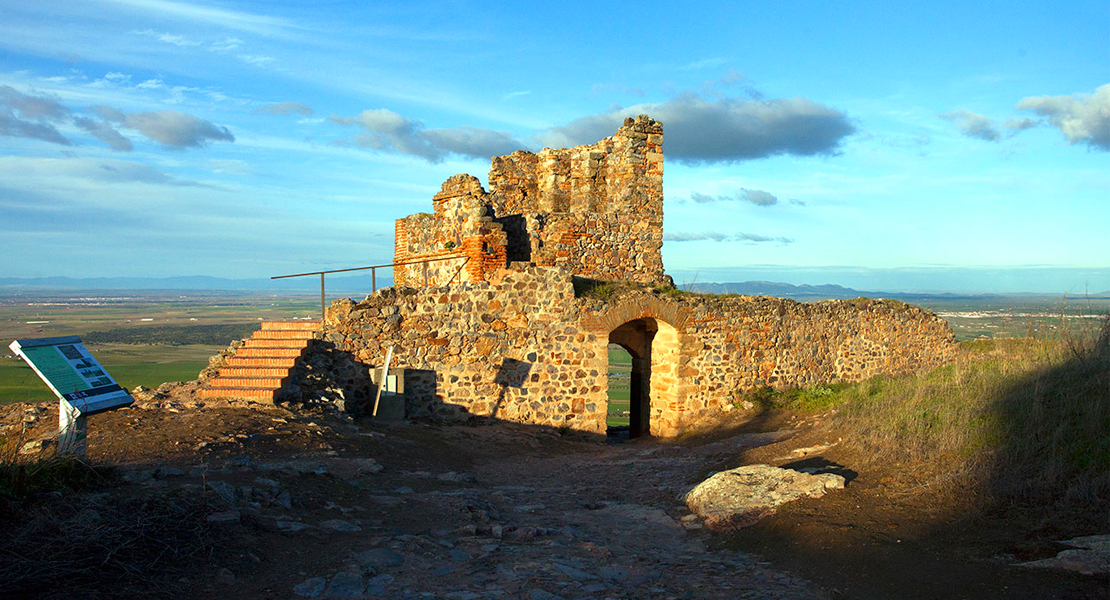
<point x="374" y="274"/>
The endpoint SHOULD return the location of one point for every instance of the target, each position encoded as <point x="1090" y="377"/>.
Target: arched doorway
<point x="652" y="345"/>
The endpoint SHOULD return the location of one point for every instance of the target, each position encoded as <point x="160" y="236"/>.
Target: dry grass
<point x="1014" y="422"/>
<point x="131" y="548"/>
<point x="61" y="539"/>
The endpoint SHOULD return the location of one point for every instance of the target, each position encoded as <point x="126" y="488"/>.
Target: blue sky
<point x="953" y="146"/>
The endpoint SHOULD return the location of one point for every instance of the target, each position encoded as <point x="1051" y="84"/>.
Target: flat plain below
<point x="171" y="334"/>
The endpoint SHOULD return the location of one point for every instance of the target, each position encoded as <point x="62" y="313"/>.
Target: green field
<point x="996" y="317"/>
<point x="129" y="364"/>
<point x="47" y="314"/>
<point x="141" y="338"/>
<point x="620" y="369"/>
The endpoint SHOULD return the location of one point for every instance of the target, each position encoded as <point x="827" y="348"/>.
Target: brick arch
<point x="656" y="328"/>
<point x="631" y="309"/>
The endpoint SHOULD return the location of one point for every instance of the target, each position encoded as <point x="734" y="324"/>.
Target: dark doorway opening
<point x="629" y="379"/>
<point x="619" y="414"/>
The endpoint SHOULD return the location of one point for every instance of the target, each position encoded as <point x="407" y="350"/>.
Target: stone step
<point x="220" y="381"/>
<point x="261" y="366"/>
<point x="253" y="371"/>
<point x="274" y="343"/>
<point x="301" y="325"/>
<point x="261" y="361"/>
<point x="252" y="393"/>
<point x="283" y="334"/>
<point x="269" y="352"/>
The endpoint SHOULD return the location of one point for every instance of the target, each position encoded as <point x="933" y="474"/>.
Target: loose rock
<point x="740" y="497"/>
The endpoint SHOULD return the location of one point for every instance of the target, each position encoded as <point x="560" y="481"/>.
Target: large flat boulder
<point x="739" y="497"/>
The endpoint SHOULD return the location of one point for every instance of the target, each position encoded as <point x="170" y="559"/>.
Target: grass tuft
<point x="1022" y="421"/>
<point x="19" y="481"/>
<point x="22" y="478"/>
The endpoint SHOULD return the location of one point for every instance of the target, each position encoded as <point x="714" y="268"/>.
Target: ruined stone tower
<point x="595" y="210"/>
<point x="496" y="327"/>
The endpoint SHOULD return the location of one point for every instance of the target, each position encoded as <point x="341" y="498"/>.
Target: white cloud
<point x="256" y="60"/>
<point x="13" y="126"/>
<point x="230" y="166"/>
<point x="713" y="236"/>
<point x="283" y="108"/>
<point x="208" y="15"/>
<point x="1082" y="118"/>
<point x="757" y="197"/>
<point x="169" y="38"/>
<point x="383" y="129"/>
<point x="30" y="116"/>
<point x="974" y="125"/>
<point x="1021" y="124"/>
<point x="66" y="172"/>
<point x="31" y="107"/>
<point x="104" y="132"/>
<point x="705" y="63"/>
<point x="723" y="130"/>
<point x="226" y="45"/>
<point x="171" y="128"/>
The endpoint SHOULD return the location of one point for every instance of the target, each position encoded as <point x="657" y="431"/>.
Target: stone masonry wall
<point x="508" y="347"/>
<point x="461" y="231"/>
<point x="597" y="209"/>
<point x="735" y="343"/>
<point x="521" y="347"/>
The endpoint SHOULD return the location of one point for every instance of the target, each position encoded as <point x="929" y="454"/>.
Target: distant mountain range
<point x="360" y="284"/>
<point x="830" y="291"/>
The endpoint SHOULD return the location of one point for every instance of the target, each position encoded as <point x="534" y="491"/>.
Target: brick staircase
<point x="261" y="366"/>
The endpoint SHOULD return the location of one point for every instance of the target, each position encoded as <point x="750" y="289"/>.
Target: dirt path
<point x="317" y="506"/>
<point x="531" y="517"/>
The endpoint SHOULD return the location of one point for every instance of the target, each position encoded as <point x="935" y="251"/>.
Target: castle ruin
<point x="500" y="325"/>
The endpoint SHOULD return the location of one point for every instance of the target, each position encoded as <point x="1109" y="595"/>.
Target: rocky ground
<point x="267" y="503"/>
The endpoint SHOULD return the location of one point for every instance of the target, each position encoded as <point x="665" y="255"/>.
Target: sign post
<point x="83" y="386"/>
<point x="382" y="381"/>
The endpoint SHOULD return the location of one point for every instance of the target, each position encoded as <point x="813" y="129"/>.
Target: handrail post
<point x="373" y="279"/>
<point x="323" y="311"/>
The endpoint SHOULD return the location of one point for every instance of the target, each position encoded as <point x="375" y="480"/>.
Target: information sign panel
<point x="72" y="373"/>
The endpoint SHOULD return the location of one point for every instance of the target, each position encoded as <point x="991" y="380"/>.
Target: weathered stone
<point x="1090" y="556"/>
<point x="310" y="588"/>
<point x="224" y="490"/>
<point x="340" y="525"/>
<point x="345" y="585"/>
<point x="166" y="471"/>
<point x="225" y="576"/>
<point x="292" y="526"/>
<point x="739" y="497"/>
<point x="380" y="559"/>
<point x="227" y="516"/>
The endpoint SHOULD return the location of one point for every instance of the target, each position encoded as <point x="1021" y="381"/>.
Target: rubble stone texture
<point x="498" y="331"/>
<point x="739" y="497"/>
<point x="596" y="210"/>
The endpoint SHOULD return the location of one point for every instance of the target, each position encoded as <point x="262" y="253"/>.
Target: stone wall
<point x="508" y="347"/>
<point x="728" y="344"/>
<point x="520" y="346"/>
<point x="596" y="210"/>
<point x="459" y="242"/>
<point x="484" y="335"/>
